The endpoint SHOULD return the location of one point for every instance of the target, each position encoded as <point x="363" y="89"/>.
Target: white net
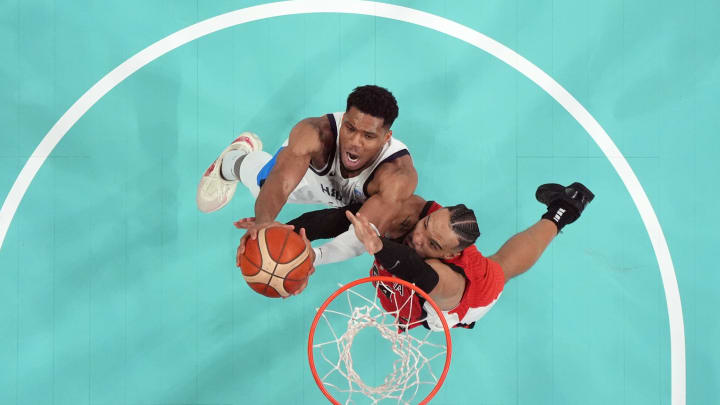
<point x="419" y="353"/>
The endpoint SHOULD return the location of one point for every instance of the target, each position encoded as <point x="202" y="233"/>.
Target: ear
<point x="388" y="134"/>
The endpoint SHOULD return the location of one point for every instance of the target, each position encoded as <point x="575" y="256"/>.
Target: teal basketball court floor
<point x="115" y="289"/>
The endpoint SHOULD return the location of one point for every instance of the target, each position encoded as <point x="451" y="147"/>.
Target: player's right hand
<point x="253" y="228"/>
<point x="365" y="232"/>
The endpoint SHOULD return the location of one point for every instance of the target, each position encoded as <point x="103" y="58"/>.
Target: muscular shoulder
<point x="310" y="136"/>
<point x="397" y="178"/>
<point x="406" y="218"/>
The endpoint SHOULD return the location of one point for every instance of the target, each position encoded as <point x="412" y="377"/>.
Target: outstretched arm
<point x="325" y="224"/>
<point x="290" y="167"/>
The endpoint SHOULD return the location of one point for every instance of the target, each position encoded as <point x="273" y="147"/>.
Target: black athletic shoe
<point x="565" y="204"/>
<point x="576" y="194"/>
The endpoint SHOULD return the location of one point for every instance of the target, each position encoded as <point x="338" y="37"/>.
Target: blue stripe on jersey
<point x="265" y="171"/>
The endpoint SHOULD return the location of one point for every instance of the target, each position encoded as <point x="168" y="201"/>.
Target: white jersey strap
<point x="433" y="320"/>
<point x="452" y="319"/>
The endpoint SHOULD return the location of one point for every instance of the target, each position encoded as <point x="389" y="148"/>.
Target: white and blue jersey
<point x="326" y="185"/>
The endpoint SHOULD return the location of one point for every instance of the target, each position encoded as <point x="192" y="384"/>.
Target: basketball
<point x="276" y="263"/>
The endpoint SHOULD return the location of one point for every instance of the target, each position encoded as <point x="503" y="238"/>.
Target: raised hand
<point x="365" y="232"/>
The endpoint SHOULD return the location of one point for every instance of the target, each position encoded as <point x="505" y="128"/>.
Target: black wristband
<point x="402" y="261"/>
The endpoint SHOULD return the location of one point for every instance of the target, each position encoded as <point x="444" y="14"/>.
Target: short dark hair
<point x="464" y="224"/>
<point x="376" y="101"/>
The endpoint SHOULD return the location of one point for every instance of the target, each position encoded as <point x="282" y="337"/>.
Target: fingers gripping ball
<point x="276" y="263"/>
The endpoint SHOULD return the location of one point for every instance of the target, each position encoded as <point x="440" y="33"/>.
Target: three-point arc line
<point x="412" y="16"/>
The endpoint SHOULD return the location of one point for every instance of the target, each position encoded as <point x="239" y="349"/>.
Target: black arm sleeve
<point x="325" y="224"/>
<point x="402" y="261"/>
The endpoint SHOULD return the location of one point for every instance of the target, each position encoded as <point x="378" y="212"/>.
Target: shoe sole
<point x="215" y="167"/>
<point x="545" y="192"/>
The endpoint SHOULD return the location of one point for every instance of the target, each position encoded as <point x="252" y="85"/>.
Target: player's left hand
<point x="311" y="253"/>
<point x="365" y="232"/>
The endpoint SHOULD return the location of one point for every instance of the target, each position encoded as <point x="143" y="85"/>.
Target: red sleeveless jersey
<point x="484" y="281"/>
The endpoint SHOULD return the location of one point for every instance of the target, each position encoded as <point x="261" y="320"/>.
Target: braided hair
<point x="464" y="224"/>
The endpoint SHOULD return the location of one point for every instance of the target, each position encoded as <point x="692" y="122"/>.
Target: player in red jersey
<point x="468" y="284"/>
<point x="439" y="256"/>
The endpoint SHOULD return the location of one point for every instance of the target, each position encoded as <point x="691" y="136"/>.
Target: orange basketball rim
<point x="376" y="281"/>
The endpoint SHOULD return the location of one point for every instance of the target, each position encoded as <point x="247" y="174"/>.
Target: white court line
<point x="433" y="22"/>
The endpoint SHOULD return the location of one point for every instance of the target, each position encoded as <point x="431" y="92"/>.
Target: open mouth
<point x="352" y="158"/>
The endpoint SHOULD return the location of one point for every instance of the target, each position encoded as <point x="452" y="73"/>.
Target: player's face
<point x="433" y="237"/>
<point x="362" y="136"/>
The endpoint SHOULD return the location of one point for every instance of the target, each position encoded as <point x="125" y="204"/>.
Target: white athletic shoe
<point x="214" y="192"/>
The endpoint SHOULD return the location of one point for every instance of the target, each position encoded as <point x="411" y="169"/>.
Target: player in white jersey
<point x="325" y="185"/>
<point x="335" y="160"/>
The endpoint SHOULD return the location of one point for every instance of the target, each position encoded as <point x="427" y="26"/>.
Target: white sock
<point x="251" y="165"/>
<point x="227" y="167"/>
